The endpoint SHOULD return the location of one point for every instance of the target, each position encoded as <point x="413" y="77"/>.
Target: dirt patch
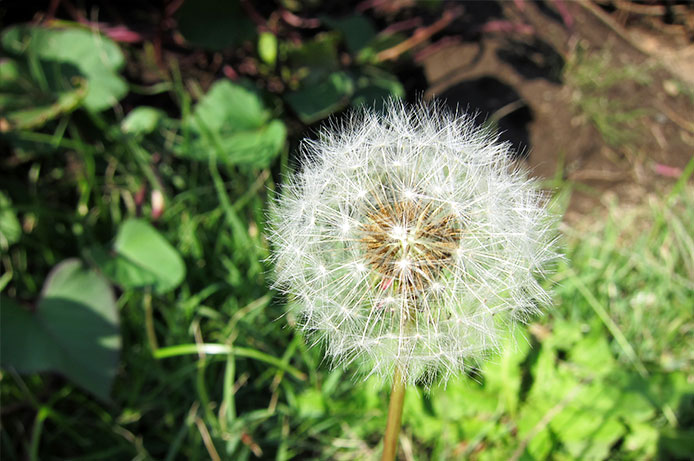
<point x="579" y="101"/>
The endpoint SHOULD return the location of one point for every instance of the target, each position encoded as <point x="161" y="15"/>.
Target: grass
<point x="643" y="257"/>
<point x="222" y="374"/>
<point x="214" y="369"/>
<point x="596" y="80"/>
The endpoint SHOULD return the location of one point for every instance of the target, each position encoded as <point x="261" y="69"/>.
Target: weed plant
<point x="207" y="366"/>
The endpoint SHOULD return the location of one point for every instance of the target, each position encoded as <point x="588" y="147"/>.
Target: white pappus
<point x="411" y="238"/>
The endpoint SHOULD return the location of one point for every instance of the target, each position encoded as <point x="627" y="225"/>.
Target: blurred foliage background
<point x="142" y="140"/>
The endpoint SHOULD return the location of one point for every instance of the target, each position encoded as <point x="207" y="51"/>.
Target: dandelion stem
<point x="397" y="396"/>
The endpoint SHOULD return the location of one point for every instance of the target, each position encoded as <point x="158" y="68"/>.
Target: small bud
<point x="157" y="200"/>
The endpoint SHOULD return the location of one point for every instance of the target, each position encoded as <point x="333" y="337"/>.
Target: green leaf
<point x="267" y="48"/>
<point x="665" y="388"/>
<point x="230" y="106"/>
<point x="586" y="427"/>
<point x="142" y="120"/>
<point x="357" y="31"/>
<point x="593" y="353"/>
<point x="448" y="404"/>
<point x="676" y="444"/>
<point x="10" y="228"/>
<point x="144" y="258"/>
<point x="74" y="330"/>
<point x="418" y="416"/>
<point x="564" y="334"/>
<point x="310" y="403"/>
<point x="628" y="395"/>
<point x="323" y="89"/>
<point x="317" y="57"/>
<point x="214" y="24"/>
<point x="32" y="94"/>
<point x="120" y="270"/>
<point x="550" y="382"/>
<point x="316" y="101"/>
<point x="642" y="439"/>
<point x="97" y="57"/>
<point x="231" y="123"/>
<point x="552" y="389"/>
<point x="540" y="446"/>
<point x="585" y="417"/>
<point x="255" y="148"/>
<point x="502" y="375"/>
<point x="375" y="87"/>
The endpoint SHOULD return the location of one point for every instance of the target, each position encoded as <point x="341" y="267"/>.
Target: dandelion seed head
<point x="411" y="238"/>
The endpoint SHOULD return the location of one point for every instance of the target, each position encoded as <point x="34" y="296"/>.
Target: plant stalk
<point x="397" y="397"/>
<point x="149" y="322"/>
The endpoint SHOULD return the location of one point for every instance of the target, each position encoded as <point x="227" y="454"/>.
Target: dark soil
<point x="518" y="80"/>
<point x="515" y="75"/>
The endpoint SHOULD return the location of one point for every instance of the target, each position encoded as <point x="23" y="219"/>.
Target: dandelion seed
<point x="420" y="206"/>
<point x="444" y="240"/>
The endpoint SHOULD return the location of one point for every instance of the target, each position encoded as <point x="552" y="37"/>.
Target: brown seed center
<point x="409" y="241"/>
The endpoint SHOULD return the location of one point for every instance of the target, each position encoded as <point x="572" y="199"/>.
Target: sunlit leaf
<point x="142" y="120"/>
<point x="502" y="376"/>
<point x="10" y="228"/>
<point x="310" y="403"/>
<point x="232" y="124"/>
<point x="267" y="48"/>
<point x="144" y="258"/>
<point x="586" y="426"/>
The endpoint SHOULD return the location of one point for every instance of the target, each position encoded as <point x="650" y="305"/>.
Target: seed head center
<point x="409" y="241"/>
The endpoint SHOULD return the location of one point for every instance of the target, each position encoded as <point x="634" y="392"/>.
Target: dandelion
<point x="410" y="242"/>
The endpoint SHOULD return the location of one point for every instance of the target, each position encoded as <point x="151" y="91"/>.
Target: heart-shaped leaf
<point x="313" y="102"/>
<point x="142" y="258"/>
<point x="142" y="120"/>
<point x="232" y="123"/>
<point x="74" y="329"/>
<point x="30" y="95"/>
<point x="97" y="57"/>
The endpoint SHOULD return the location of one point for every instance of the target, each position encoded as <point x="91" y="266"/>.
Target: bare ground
<point x="628" y="138"/>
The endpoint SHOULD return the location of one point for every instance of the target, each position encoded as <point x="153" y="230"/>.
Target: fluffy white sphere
<point x="410" y="238"/>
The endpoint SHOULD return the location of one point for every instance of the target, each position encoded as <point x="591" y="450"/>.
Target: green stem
<point x="397" y="397"/>
<point x="149" y="322"/>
